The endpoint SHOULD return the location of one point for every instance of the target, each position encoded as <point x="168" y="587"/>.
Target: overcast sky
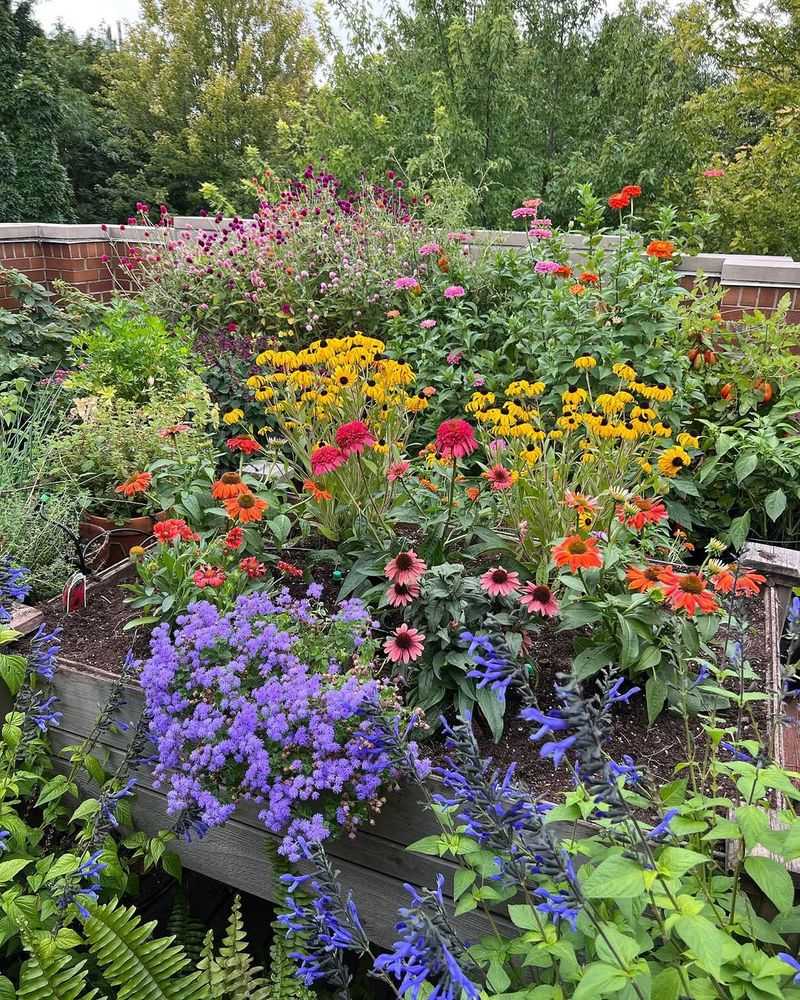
<point x="85" y="14"/>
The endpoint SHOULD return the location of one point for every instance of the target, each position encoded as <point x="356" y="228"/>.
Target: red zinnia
<point x="247" y="445"/>
<point x="631" y="190"/>
<point x="619" y="200"/>
<point x="354" y="437"/>
<point x="578" y="552"/>
<point x="234" y="539"/>
<point x="688" y="592"/>
<point x="326" y="458"/>
<point x="455" y="439"/>
<point x="662" y="249"/>
<point x="252" y="567"/>
<point x="208" y="576"/>
<point x="288" y="568"/>
<point x="167" y="531"/>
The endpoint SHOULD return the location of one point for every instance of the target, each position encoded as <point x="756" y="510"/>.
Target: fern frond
<point x="243" y="980"/>
<point x="283" y="981"/>
<point x="143" y="967"/>
<point x="211" y="975"/>
<point x="52" y="975"/>
<point x="186" y="929"/>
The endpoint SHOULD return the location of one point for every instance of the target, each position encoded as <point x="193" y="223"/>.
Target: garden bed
<point x="376" y="863"/>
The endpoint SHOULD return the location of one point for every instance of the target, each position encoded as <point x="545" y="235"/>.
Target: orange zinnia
<point x="662" y="249"/>
<point x="137" y="483"/>
<point x="228" y="485"/>
<point x="245" y="507"/>
<point x="578" y="552"/>
<point x="689" y="592"/>
<point x="644" y="578"/>
<point x="318" y="494"/>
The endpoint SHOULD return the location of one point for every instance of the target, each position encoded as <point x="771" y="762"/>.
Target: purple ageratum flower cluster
<point x="255" y="705"/>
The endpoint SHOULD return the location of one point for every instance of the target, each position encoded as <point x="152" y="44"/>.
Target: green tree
<point x="199" y="81"/>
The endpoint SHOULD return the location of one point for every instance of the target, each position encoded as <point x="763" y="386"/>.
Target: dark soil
<point x="94" y="636"/>
<point x="656" y="749"/>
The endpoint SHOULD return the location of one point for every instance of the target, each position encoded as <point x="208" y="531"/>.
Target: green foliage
<point x="132" y="355"/>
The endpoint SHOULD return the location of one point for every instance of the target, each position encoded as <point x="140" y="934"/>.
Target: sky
<point x="85" y="14"/>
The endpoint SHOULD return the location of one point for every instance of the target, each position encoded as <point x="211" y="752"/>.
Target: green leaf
<point x="666" y="985"/>
<point x="613" y="946"/>
<point x="655" y="691"/>
<point x="710" y="945"/>
<point x="676" y="861"/>
<point x="737" y="532"/>
<point x="724" y="444"/>
<point x="54" y="789"/>
<point x="86" y="810"/>
<point x="599" y="979"/>
<point x="745" y="466"/>
<point x="775" y="504"/>
<point x="7" y="991"/>
<point x="462" y="880"/>
<point x="494" y="710"/>
<point x="427" y="845"/>
<point x="773" y="880"/>
<point x="8" y="869"/>
<point x="281" y="528"/>
<point x="522" y="916"/>
<point x="172" y="865"/>
<point x="12" y="671"/>
<point x="615" y="878"/>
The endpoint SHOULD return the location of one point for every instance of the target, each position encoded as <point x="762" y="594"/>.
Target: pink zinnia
<point x="354" y="437"/>
<point x="539" y="600"/>
<point x="546" y="266"/>
<point x="525" y="212"/>
<point x="499" y="582"/>
<point x="404" y="645"/>
<point x="454" y="292"/>
<point x="326" y="458"/>
<point x="499" y="478"/>
<point x="427" y="324"/>
<point x="540" y="233"/>
<point x="455" y="439"/>
<point x="429" y="248"/>
<point x="406" y="567"/>
<point x="400" y="594"/>
<point x="405" y="284"/>
<point x="397" y="470"/>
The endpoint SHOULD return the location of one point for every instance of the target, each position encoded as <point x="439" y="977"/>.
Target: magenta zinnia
<point x="326" y="458"/>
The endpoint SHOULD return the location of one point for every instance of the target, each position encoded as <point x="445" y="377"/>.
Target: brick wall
<point x="75" y="254"/>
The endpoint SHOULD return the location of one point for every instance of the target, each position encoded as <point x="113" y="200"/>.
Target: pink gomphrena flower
<point x="353" y="438"/>
<point x="326" y="458"/>
<point x="401" y="594"/>
<point x="427" y="324"/>
<point x="404" y="645"/>
<point x="499" y="478"/>
<point x="539" y="600"/>
<point x="428" y="249"/>
<point x="397" y="470"/>
<point x="406" y="568"/>
<point x="454" y="292"/>
<point x="499" y="582"/>
<point x="455" y="439"/>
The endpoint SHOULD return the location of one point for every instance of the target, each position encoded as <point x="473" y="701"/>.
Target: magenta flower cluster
<point x="255" y="705"/>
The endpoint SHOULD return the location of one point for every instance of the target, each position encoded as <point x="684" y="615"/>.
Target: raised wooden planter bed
<point x="376" y="863"/>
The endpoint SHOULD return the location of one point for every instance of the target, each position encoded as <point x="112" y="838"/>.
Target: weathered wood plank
<point x="780" y="565"/>
<point x="24" y="618"/>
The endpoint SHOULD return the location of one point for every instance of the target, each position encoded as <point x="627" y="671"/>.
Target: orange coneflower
<point x="578" y="552"/>
<point x="748" y="583"/>
<point x="644" y="578"/>
<point x="245" y="507"/>
<point x="316" y="492"/>
<point x="688" y="592"/>
<point x="639" y="511"/>
<point x="137" y="483"/>
<point x="229" y="485"/>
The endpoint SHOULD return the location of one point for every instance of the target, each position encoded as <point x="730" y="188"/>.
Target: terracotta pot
<point x="122" y="538"/>
<point x="96" y="553"/>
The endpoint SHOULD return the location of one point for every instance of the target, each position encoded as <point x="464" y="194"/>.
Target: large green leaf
<point x="615" y="878"/>
<point x="773" y="880"/>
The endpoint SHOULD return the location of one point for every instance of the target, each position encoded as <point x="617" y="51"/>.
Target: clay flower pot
<point x="134" y="531"/>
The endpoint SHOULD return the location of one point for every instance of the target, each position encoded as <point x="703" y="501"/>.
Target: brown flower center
<point x="247" y="500"/>
<point x="404" y="562"/>
<point x="499" y="576"/>
<point x="231" y="478"/>
<point x="578" y="547"/>
<point x="541" y="594"/>
<point x="692" y="584"/>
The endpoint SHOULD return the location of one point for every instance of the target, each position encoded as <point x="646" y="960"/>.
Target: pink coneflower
<point x="427" y="249"/>
<point x="539" y="600"/>
<point x="326" y="458"/>
<point x="499" y="478"/>
<point x="454" y="292"/>
<point x="397" y="470"/>
<point x="546" y="266"/>
<point x="499" y="582"/>
<point x="455" y="439"/>
<point x="406" y="567"/>
<point x="580" y="502"/>
<point x="404" y="645"/>
<point x="427" y="324"/>
<point x="406" y="284"/>
<point x="401" y="594"/>
<point x="354" y="437"/>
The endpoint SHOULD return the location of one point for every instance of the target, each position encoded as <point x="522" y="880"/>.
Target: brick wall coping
<point x="727" y="268"/>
